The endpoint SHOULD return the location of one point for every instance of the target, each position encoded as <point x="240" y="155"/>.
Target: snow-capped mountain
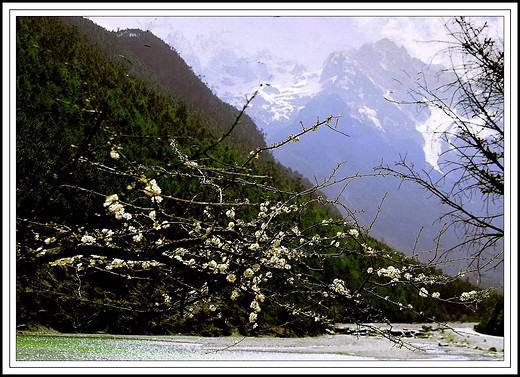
<point x="354" y="85"/>
<point x="233" y="78"/>
<point x="361" y="78"/>
<point x="357" y="85"/>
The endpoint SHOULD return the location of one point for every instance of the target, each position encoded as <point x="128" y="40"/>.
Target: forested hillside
<point x="148" y="58"/>
<point x="141" y="209"/>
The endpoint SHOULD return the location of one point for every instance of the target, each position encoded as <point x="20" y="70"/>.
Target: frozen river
<point x="421" y="342"/>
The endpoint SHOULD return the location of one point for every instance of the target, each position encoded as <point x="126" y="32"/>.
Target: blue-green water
<point x="40" y="348"/>
<point x="71" y="348"/>
<point x="91" y="348"/>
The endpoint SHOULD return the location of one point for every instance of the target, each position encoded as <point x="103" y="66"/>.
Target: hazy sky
<point x="309" y="39"/>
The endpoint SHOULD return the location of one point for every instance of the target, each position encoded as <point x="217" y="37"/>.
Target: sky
<point x="307" y="39"/>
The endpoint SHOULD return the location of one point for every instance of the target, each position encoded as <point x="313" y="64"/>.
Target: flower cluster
<point x="276" y="257"/>
<point x="107" y="235"/>
<point x="96" y="259"/>
<point x="153" y="190"/>
<point x="230" y="213"/>
<point x="114" y="152"/>
<point x="339" y="286"/>
<point x="391" y="272"/>
<point x="88" y="240"/>
<point x="242" y="254"/>
<point x="116" y="208"/>
<point x="49" y="240"/>
<point x="66" y="261"/>
<point x="468" y="296"/>
<point x="368" y="249"/>
<point x="116" y="263"/>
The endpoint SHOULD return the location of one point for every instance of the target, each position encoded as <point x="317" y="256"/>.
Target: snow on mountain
<point x="233" y="77"/>
<point x="353" y="85"/>
<point x="357" y="85"/>
<point x="371" y="114"/>
<point x="360" y="77"/>
<point x="437" y="123"/>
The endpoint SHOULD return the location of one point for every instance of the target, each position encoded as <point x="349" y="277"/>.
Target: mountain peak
<point x="385" y="43"/>
<point x="389" y="55"/>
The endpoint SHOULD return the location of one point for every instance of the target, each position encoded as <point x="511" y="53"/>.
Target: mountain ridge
<point x="362" y="86"/>
<point x="359" y="92"/>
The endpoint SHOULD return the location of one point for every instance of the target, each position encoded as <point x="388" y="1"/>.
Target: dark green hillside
<point x="147" y="57"/>
<point x="134" y="217"/>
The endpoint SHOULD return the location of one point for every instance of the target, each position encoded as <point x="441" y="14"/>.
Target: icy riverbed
<point x="420" y="342"/>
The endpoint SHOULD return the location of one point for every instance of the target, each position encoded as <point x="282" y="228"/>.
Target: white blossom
<point x="110" y="199"/>
<point x="391" y="272"/>
<point x="255" y="306"/>
<point x="88" y="240"/>
<point x="116" y="263"/>
<point x="222" y="267"/>
<point x="468" y="296"/>
<point x="116" y="208"/>
<point x="235" y="294"/>
<point x="167" y="299"/>
<point x="339" y="286"/>
<point x="114" y="154"/>
<point x="108" y="233"/>
<point x="230" y="213"/>
<point x="152" y="189"/>
<point x="49" y="240"/>
<point x="216" y="241"/>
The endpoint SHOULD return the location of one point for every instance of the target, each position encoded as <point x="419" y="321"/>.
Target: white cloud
<point x="417" y="35"/>
<point x="307" y="39"/>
